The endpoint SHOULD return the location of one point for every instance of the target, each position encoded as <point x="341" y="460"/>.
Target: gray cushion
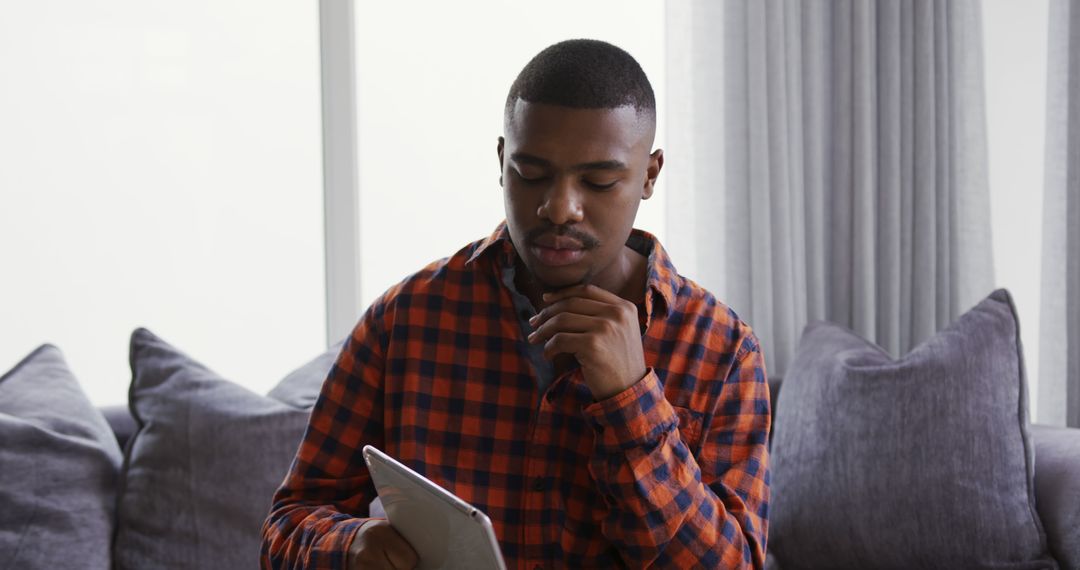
<point x="1057" y="489"/>
<point x="301" y="388"/>
<point x="59" y="465"/>
<point x="921" y="462"/>
<point x="120" y="422"/>
<point x="204" y="463"/>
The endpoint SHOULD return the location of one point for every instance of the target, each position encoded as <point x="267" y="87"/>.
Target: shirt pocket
<point x="691" y="428"/>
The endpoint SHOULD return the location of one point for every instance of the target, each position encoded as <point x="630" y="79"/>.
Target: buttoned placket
<point x="537" y="496"/>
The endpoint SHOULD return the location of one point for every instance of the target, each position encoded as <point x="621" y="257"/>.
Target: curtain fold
<point x="835" y="163"/>
<point x="1059" y="365"/>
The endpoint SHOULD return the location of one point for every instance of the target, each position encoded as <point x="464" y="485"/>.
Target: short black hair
<point x="583" y="74"/>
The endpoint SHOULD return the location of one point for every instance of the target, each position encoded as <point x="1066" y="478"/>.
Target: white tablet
<point x="445" y="531"/>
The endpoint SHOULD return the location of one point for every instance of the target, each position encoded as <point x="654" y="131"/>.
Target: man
<point x="558" y="375"/>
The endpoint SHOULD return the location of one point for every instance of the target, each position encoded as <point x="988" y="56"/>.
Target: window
<point x="432" y="84"/>
<point x="1015" y="38"/>
<point x="163" y="163"/>
<point x="161" y="168"/>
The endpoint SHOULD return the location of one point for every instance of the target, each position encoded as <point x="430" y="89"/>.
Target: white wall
<point x="161" y="167"/>
<point x="1015" y="34"/>
<point x="433" y="77"/>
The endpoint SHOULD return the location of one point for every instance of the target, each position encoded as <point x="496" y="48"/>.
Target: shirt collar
<point x="499" y="241"/>
<point x="662" y="278"/>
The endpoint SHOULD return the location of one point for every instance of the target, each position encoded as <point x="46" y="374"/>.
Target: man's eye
<point x="601" y="185"/>
<point x="530" y="179"/>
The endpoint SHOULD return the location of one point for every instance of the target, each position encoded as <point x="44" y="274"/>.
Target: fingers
<point x="579" y="310"/>
<point x="564" y="322"/>
<point x="378" y="545"/>
<point x="577" y="344"/>
<point x="576" y="305"/>
<point x="398" y="551"/>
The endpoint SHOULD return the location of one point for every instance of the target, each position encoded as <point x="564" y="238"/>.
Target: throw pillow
<point x="59" y="463"/>
<point x="204" y="463"/>
<point x="919" y="462"/>
<point x="301" y="388"/>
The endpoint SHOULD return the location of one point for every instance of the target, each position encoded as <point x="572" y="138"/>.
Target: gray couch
<point x="1057" y="476"/>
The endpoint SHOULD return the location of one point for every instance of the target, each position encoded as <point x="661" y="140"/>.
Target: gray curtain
<point x="827" y="160"/>
<point x="1059" y="382"/>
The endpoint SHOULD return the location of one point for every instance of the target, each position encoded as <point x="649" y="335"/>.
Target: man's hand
<point x="377" y="545"/>
<point x="600" y="329"/>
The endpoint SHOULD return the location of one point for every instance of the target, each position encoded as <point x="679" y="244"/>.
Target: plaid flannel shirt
<point x="672" y="472"/>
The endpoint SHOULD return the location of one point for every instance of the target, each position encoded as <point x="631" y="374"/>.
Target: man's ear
<point x="502" y="143"/>
<point x="656" y="163"/>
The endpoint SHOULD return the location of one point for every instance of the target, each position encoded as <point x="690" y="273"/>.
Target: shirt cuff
<point x="639" y="416"/>
<point x="334" y="545"/>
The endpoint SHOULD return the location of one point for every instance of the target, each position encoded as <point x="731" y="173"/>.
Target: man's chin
<point x="553" y="279"/>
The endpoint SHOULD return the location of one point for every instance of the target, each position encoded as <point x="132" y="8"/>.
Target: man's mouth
<point x="556" y="251"/>
<point x="552" y="241"/>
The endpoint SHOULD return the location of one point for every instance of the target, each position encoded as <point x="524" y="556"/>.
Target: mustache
<point x="587" y="241"/>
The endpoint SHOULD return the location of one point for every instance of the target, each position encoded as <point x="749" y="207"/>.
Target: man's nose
<point x="562" y="203"/>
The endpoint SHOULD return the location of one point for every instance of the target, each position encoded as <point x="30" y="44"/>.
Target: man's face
<point x="572" y="183"/>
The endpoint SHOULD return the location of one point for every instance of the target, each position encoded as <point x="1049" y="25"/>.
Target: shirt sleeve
<point x="672" y="508"/>
<point x="324" y="498"/>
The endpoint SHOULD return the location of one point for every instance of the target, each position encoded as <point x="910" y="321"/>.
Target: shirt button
<point x="539" y="484"/>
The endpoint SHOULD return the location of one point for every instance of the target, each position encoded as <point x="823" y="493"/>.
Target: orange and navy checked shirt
<point x="672" y="472"/>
